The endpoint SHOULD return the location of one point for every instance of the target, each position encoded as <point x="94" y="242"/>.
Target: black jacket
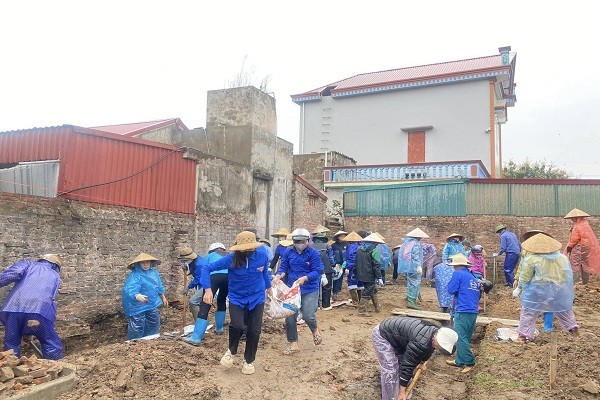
<point x="411" y="339"/>
<point x="366" y="266"/>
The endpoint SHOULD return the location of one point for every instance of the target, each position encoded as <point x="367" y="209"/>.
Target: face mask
<point x="301" y="246"/>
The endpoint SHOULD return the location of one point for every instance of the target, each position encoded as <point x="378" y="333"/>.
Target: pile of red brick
<point x="19" y="373"/>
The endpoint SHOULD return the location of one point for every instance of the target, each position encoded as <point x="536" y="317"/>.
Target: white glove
<point x="517" y="292"/>
<point x="379" y="282"/>
<point x="495" y="255"/>
<point x="141" y="298"/>
<point x="420" y="270"/>
<point x="324" y="280"/>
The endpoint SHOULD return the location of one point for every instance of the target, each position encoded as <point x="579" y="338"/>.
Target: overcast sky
<point x="105" y="62"/>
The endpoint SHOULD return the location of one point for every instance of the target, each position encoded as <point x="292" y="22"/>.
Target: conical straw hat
<point x="462" y="237"/>
<point x="352" y="237"/>
<point x="541" y="244"/>
<point x="574" y="213"/>
<point x="288" y="241"/>
<point x="380" y="235"/>
<point x="186" y="253"/>
<point x="373" y="237"/>
<point x="143" y="257"/>
<point x="53" y="258"/>
<point x="417" y="233"/>
<point x="532" y="232"/>
<point x="338" y="233"/>
<point x="459" y="259"/>
<point x="283" y="232"/>
<point x="320" y="229"/>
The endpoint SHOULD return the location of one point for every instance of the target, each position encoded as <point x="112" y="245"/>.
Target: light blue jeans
<point x="308" y="306"/>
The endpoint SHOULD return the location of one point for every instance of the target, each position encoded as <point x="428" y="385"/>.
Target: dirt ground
<point x="344" y="367"/>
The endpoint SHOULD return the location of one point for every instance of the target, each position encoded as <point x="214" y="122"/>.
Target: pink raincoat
<point x="585" y="253"/>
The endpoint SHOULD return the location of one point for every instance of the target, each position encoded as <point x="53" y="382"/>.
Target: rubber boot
<point x="413" y="305"/>
<point x="548" y="317"/>
<point x="362" y="308"/>
<point x="354" y="297"/>
<point x="376" y="304"/>
<point x="195" y="310"/>
<point x="219" y="322"/>
<point x="198" y="334"/>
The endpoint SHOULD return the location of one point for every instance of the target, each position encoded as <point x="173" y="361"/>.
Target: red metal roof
<point x="137" y="128"/>
<point x="393" y="76"/>
<point x="107" y="168"/>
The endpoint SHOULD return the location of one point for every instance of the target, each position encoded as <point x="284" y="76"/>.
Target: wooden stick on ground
<point x="553" y="359"/>
<point x="185" y="303"/>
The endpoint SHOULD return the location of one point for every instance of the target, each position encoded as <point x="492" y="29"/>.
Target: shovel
<point x="413" y="382"/>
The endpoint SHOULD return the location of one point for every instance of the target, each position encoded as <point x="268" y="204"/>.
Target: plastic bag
<point x="285" y="301"/>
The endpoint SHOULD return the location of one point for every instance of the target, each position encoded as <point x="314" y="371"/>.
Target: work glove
<point x="324" y="280"/>
<point x="420" y="270"/>
<point x="379" y="282"/>
<point x="517" y="292"/>
<point x="141" y="298"/>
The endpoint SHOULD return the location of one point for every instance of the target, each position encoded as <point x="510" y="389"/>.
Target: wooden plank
<point x="446" y="317"/>
<point x="553" y="359"/>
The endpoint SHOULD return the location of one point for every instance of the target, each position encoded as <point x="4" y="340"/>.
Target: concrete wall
<point x="309" y="210"/>
<point x="95" y="242"/>
<point x="477" y="229"/>
<point x="368" y="127"/>
<point x="175" y="136"/>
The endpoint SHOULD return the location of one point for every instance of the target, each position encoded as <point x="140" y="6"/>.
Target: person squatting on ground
<point x="326" y="253"/>
<point x="509" y="244"/>
<point x="303" y="265"/>
<point x="465" y="288"/>
<point x="368" y="272"/>
<point x="583" y="249"/>
<point x="339" y="249"/>
<point x="218" y="284"/>
<point x="192" y="264"/>
<point x="143" y="293"/>
<point x="546" y="278"/>
<point x="410" y="262"/>
<point x="355" y="288"/>
<point x="30" y="306"/>
<point x="248" y="280"/>
<point x="403" y="344"/>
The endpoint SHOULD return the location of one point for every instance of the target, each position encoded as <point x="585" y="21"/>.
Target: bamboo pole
<point x="553" y="359"/>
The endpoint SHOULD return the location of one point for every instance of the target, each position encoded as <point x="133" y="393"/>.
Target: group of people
<point x="541" y="275"/>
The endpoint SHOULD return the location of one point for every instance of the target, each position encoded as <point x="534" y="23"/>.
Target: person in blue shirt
<point x="143" y="293"/>
<point x="218" y="282"/>
<point x="454" y="245"/>
<point x="509" y="244"/>
<point x="355" y="288"/>
<point x="281" y="236"/>
<point x="30" y="306"/>
<point x="192" y="264"/>
<point x="465" y="288"/>
<point x="303" y="265"/>
<point x="249" y="279"/>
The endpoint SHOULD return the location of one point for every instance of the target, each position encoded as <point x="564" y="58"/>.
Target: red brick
<point x="38" y="373"/>
<point x="43" y="379"/>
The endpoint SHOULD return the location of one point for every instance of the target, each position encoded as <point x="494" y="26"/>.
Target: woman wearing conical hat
<point x="284" y="241"/>
<point x="143" y="293"/>
<point x="546" y="278"/>
<point x="583" y="248"/>
<point x="453" y="246"/>
<point x="410" y="262"/>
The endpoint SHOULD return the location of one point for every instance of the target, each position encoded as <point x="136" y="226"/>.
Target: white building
<point x="451" y="111"/>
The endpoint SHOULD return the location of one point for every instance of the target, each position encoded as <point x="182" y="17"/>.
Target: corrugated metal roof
<point x="420" y="72"/>
<point x="137" y="128"/>
<point x="107" y="168"/>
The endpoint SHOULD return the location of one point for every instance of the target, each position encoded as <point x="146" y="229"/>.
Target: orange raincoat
<point x="586" y="249"/>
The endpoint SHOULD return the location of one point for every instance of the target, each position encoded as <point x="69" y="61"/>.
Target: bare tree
<point x="245" y="77"/>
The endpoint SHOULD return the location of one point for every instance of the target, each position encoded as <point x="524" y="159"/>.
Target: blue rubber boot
<point x="219" y="322"/>
<point x="548" y="317"/>
<point x="199" y="329"/>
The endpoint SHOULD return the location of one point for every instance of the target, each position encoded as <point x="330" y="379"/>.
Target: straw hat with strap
<point x="541" y="244"/>
<point x="576" y="213"/>
<point x="143" y="257"/>
<point x="245" y="241"/>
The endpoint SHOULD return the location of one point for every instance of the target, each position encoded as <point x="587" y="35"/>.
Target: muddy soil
<point x="343" y="367"/>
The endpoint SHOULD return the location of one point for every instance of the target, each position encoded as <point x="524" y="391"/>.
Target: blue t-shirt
<point x="464" y="286"/>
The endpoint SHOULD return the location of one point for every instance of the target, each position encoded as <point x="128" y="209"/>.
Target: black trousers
<point x="236" y="327"/>
<point x="217" y="281"/>
<point x="326" y="291"/>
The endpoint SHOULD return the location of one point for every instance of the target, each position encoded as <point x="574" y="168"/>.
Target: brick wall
<point x="478" y="229"/>
<point x="96" y="242"/>
<point x="308" y="210"/>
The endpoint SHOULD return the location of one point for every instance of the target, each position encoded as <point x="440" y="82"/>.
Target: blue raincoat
<point x="443" y="273"/>
<point x="147" y="283"/>
<point x="351" y="250"/>
<point x="410" y="259"/>
<point x="547" y="282"/>
<point x="452" y="248"/>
